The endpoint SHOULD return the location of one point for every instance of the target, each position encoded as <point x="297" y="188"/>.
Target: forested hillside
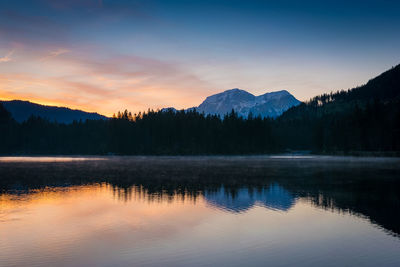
<point x="364" y="118"/>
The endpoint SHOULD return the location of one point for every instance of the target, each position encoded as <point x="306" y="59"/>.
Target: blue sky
<point x="108" y="55"/>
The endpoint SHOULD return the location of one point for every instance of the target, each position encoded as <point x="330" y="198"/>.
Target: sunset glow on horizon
<point x="106" y="56"/>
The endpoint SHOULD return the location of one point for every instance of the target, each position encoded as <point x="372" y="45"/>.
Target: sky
<point x="111" y="55"/>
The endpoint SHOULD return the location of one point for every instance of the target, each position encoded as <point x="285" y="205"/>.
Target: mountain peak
<point x="281" y="92"/>
<point x="270" y="104"/>
<point x="234" y="90"/>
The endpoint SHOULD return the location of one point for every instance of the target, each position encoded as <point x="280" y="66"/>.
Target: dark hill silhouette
<point x="366" y="118"/>
<point x="22" y="110"/>
<point x="384" y="88"/>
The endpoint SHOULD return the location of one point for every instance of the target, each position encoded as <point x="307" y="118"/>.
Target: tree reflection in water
<point x="361" y="186"/>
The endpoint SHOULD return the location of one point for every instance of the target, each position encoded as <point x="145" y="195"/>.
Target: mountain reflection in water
<point x="273" y="197"/>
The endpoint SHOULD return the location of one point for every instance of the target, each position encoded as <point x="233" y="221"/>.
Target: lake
<point x="199" y="211"/>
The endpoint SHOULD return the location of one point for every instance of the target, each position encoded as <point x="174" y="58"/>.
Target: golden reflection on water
<point x="54" y="218"/>
<point x="84" y="200"/>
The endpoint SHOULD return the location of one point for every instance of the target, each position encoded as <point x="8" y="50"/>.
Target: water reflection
<point x="369" y="187"/>
<point x="199" y="211"/>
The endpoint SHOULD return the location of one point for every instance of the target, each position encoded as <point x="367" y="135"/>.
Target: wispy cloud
<point x="7" y="57"/>
<point x="55" y="53"/>
<point x="58" y="52"/>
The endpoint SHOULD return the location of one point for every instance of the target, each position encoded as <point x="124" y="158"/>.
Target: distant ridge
<point x="22" y="110"/>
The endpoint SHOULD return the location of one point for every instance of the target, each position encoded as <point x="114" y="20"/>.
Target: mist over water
<point x="175" y="211"/>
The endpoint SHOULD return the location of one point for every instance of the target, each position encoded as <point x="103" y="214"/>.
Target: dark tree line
<point x="364" y="129"/>
<point x="366" y="118"/>
<point x="152" y="132"/>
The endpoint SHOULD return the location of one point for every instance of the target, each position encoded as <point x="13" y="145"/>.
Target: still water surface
<point x="200" y="211"/>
